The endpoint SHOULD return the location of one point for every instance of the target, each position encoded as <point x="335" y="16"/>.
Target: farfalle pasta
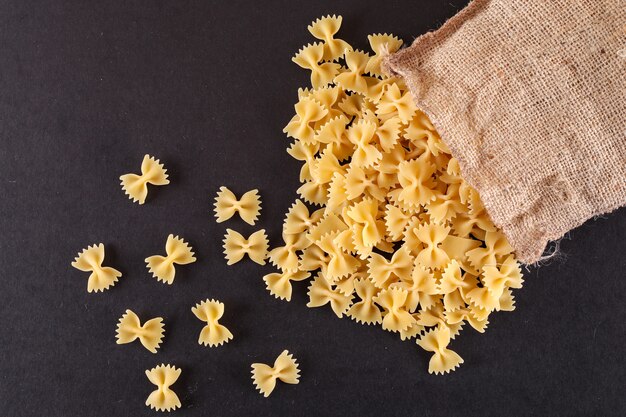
<point x="285" y="369"/>
<point x="150" y="334"/>
<point x="227" y="204"/>
<point x="214" y="333"/>
<point x="90" y="260"/>
<point x="163" y="398"/>
<point x="386" y="226"/>
<point x="236" y="246"/>
<point x="325" y="29"/>
<point x="177" y="252"/>
<point x="136" y="186"/>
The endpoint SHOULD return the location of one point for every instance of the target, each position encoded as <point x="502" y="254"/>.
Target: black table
<point x="87" y="88"/>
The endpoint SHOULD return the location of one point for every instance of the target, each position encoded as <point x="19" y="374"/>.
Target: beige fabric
<point x="530" y="97"/>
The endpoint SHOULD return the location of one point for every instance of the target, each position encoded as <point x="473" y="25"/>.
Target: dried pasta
<point x="136" y="186"/>
<point x="285" y="369"/>
<point x="150" y="334"/>
<point x="90" y="260"/>
<point x="236" y="246"/>
<point x="227" y="204"/>
<point x="178" y="252"/>
<point x="163" y="398"/>
<point x="213" y="334"/>
<point x="397" y="237"/>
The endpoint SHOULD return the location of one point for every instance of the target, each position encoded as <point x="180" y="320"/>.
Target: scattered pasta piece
<point x="443" y="360"/>
<point x="163" y="398"/>
<point x="285" y="369"/>
<point x="150" y="334"/>
<point x="248" y="206"/>
<point x="213" y="334"/>
<point x="136" y="186"/>
<point x="397" y="229"/>
<point x="178" y="252"/>
<point x="101" y="277"/>
<point x="236" y="246"/>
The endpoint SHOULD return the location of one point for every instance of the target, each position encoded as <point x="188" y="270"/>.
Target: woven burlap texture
<point x="530" y="96"/>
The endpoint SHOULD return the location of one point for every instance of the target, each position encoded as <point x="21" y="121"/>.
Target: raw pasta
<point x="101" y="277"/>
<point x="396" y="224"/>
<point x="178" y="252"/>
<point x="236" y="246"/>
<point x="136" y="186"/>
<point x="213" y="334"/>
<point x="163" y="398"/>
<point x="248" y="206"/>
<point x="150" y="334"/>
<point x="285" y="369"/>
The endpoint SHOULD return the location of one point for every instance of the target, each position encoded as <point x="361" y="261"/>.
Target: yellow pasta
<point x="227" y="204"/>
<point x="399" y="239"/>
<point x="150" y="334"/>
<point x="178" y="252"/>
<point x="163" y="398"/>
<point x="285" y="369"/>
<point x="443" y="360"/>
<point x="236" y="246"/>
<point x="325" y="29"/>
<point x="321" y="293"/>
<point x="136" y="186"/>
<point x="365" y="311"/>
<point x="279" y="284"/>
<point x="213" y="334"/>
<point x="101" y="277"/>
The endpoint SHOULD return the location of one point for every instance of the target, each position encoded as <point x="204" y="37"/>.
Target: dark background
<point x="88" y="87"/>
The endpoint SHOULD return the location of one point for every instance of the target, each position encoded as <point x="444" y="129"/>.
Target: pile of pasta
<point x="400" y="239"/>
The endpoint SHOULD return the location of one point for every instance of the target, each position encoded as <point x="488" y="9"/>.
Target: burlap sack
<point x="530" y="96"/>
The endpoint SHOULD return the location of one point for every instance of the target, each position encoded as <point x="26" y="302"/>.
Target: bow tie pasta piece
<point x="325" y="29"/>
<point x="383" y="271"/>
<point x="285" y="369"/>
<point x="90" y="260"/>
<point x="213" y="334"/>
<point x="341" y="264"/>
<point x="163" y="398"/>
<point x="248" y="207"/>
<point x="431" y="235"/>
<point x="443" y="360"/>
<point x="308" y="111"/>
<point x="286" y="257"/>
<point x="497" y="247"/>
<point x="361" y="134"/>
<point x="396" y="317"/>
<point x="364" y="216"/>
<point x="394" y="101"/>
<point x="421" y="289"/>
<point x="365" y="311"/>
<point x="150" y="334"/>
<point x="236" y="246"/>
<point x="416" y="179"/>
<point x="304" y="152"/>
<point x="309" y="58"/>
<point x="382" y="45"/>
<point x="178" y="252"/>
<point x="321" y="293"/>
<point x="136" y="186"/>
<point x="298" y="220"/>
<point x="353" y="79"/>
<point x="279" y="284"/>
<point x="509" y="275"/>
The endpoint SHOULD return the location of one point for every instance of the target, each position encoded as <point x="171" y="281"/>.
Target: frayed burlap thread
<point x="530" y="96"/>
